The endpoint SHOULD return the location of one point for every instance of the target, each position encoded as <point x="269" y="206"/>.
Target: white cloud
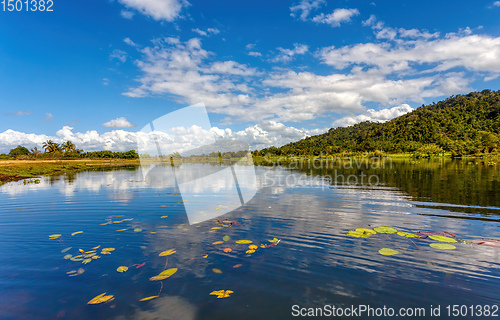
<point x="105" y="81"/>
<point x="129" y="42"/>
<point x="49" y="117"/>
<point x="473" y="52"/>
<point x="304" y="8"/>
<point x="119" y="54"/>
<point x="255" y="54"/>
<point x="207" y="33"/>
<point x="18" y="113"/>
<point x="120" y="122"/>
<point x="287" y="55"/>
<point x="176" y="139"/>
<point x="127" y="14"/>
<point x="336" y="17"/>
<point x="374" y="116"/>
<point x="496" y="3"/>
<point x="167" y="10"/>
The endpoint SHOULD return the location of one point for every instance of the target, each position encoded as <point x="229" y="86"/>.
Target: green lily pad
<point x="226" y="238"/>
<point x="442" y="239"/>
<point x="444" y="246"/>
<point x="137" y="230"/>
<point x="407" y="234"/>
<point x="385" y="229"/>
<point x="357" y="234"/>
<point x="388" y="252"/>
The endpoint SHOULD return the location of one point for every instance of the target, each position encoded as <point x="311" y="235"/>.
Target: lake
<point x="314" y="267"/>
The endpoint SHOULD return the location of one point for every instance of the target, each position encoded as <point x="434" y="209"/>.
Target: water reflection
<point x="315" y="263"/>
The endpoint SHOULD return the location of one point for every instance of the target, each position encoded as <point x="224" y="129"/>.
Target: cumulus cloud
<point x="18" y="113"/>
<point x="336" y="17"/>
<point x="180" y="139"/>
<point x="496" y="4"/>
<point x="119" y="54"/>
<point x="127" y="14"/>
<point x="120" y="122"/>
<point x="206" y="33"/>
<point x="304" y="7"/>
<point x="167" y="10"/>
<point x="286" y="55"/>
<point x="374" y="116"/>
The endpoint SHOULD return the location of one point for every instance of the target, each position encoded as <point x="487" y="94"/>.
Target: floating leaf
<point x="70" y="272"/>
<point x="441" y="233"/>
<point x="168" y="272"/>
<point x="164" y="275"/>
<point x="105" y="252"/>
<point x="68" y="256"/>
<point x="90" y="255"/>
<point x="76" y="259"/>
<point x="365" y="230"/>
<point x="218" y="242"/>
<point x="385" y="229"/>
<point x="137" y="230"/>
<point x="101" y="299"/>
<point x="274" y="239"/>
<point x="442" y="239"/>
<point x="388" y="252"/>
<point x="237" y="265"/>
<point x="119" y="230"/>
<point x="226" y="238"/>
<point x="216" y="228"/>
<point x="228" y="249"/>
<point x="122" y="269"/>
<point x="91" y="251"/>
<point x="357" y="234"/>
<point x="407" y="234"/>
<point x="96" y="247"/>
<point x="444" y="246"/>
<point x="204" y="256"/>
<point x="81" y="251"/>
<point x="222" y="293"/>
<point x="95" y="257"/>
<point x="216" y="270"/>
<point x="80" y="271"/>
<point x="86" y="261"/>
<point x="148" y="298"/>
<point x="250" y="251"/>
<point x="107" y="249"/>
<point x="153" y="232"/>
<point x="54" y="236"/>
<point x="66" y="250"/>
<point x="167" y="252"/>
<point x="243" y="241"/>
<point x="140" y="265"/>
<point x="163" y="217"/>
<point x="252" y="247"/>
<point x="77" y="232"/>
<point x="128" y="219"/>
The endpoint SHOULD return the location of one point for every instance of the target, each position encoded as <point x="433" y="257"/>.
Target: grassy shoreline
<point x="15" y="170"/>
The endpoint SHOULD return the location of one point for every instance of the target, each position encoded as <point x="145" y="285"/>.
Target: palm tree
<point x="51" y="146"/>
<point x="68" y="146"/>
<point x="35" y="152"/>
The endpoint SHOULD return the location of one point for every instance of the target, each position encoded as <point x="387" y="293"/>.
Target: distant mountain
<point x="461" y="124"/>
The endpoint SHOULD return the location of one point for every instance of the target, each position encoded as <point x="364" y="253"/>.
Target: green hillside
<point x="460" y="125"/>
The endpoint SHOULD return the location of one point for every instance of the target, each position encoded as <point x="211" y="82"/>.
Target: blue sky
<point x="269" y="72"/>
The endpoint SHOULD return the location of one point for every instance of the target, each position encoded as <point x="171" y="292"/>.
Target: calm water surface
<point x="314" y="264"/>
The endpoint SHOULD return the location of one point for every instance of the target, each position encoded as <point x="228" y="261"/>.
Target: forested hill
<point x="460" y="125"/>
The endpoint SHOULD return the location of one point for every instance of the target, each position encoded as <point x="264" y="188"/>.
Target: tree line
<point x="65" y="150"/>
<point x="460" y="125"/>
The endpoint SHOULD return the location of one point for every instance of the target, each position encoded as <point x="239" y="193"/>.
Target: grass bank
<point x="15" y="170"/>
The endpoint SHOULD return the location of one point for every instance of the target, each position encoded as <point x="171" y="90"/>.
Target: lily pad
<point x="385" y="229"/>
<point x="388" y="252"/>
<point x="442" y="239"/>
<point x="167" y="252"/>
<point x="137" y="230"/>
<point x="244" y="241"/>
<point x="366" y="230"/>
<point x="122" y="269"/>
<point x="357" y="234"/>
<point x="444" y="246"/>
<point x="226" y="238"/>
<point x="407" y="234"/>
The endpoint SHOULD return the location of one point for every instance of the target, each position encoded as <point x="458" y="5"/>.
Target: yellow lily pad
<point x="442" y="239"/>
<point x="244" y="241"/>
<point x="385" y="229"/>
<point x="122" y="269"/>
<point x="444" y="246"/>
<point x="388" y="252"/>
